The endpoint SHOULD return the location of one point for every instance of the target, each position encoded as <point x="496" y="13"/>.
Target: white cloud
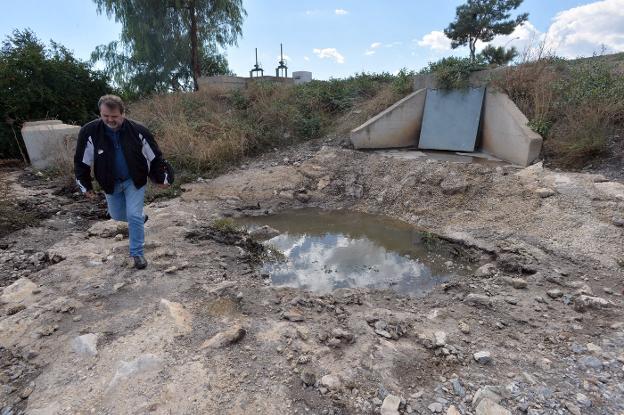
<point x="435" y="40"/>
<point x="375" y="45"/>
<point x="329" y="53"/>
<point x="305" y="58"/>
<point x="393" y="44"/>
<point x="341" y="12"/>
<point x="583" y="30"/>
<point x="286" y="57"/>
<point x="369" y="52"/>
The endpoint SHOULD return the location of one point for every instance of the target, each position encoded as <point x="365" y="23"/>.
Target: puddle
<point x="326" y="250"/>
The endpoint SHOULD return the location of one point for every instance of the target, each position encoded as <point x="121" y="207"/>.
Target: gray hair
<point x="112" y="102"/>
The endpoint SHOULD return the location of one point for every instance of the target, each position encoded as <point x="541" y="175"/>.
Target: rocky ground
<point x="537" y="329"/>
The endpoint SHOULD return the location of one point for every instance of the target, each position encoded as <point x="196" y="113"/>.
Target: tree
<point x="483" y="20"/>
<point x="166" y="45"/>
<point x="39" y="82"/>
<point x="498" y="55"/>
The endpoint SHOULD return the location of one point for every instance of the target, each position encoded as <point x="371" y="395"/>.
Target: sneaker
<point x="139" y="262"/>
<point x="145" y="218"/>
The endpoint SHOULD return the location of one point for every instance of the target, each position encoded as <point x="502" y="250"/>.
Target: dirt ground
<point x="537" y="329"/>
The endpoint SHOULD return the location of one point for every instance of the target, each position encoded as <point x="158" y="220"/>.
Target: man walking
<point x="123" y="154"/>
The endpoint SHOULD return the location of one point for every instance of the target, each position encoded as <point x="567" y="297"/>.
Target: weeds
<point x="225" y="225"/>
<point x="453" y="72"/>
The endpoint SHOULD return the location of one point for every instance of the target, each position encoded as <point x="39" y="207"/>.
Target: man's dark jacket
<point x="95" y="148"/>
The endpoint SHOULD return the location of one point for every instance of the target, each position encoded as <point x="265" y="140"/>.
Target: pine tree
<point x="483" y="20"/>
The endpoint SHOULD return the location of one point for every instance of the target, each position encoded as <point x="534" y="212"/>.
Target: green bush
<point x="39" y="82"/>
<point x="453" y="72"/>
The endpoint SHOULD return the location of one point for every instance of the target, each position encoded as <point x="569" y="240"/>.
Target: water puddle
<point x="326" y="250"/>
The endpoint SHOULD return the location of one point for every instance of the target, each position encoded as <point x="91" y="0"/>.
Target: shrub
<point x="453" y="72"/>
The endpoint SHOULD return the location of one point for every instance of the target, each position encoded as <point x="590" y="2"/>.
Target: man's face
<point x="112" y="117"/>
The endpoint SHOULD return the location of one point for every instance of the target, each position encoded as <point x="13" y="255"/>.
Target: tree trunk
<point x="473" y="46"/>
<point x="194" y="46"/>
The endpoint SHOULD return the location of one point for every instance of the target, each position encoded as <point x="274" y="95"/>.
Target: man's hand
<point x="90" y="194"/>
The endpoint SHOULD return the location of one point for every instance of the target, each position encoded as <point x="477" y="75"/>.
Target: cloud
<point x="305" y="58"/>
<point x="435" y="40"/>
<point x="369" y="52"/>
<point x="341" y="12"/>
<point x="329" y="53"/>
<point x="393" y="44"/>
<point x="583" y="30"/>
<point x="375" y="45"/>
<point x="286" y="57"/>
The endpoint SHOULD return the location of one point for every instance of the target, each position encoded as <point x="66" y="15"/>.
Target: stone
<point x="618" y="221"/>
<point x="478" y="300"/>
<point x="463" y="327"/>
<point x="342" y="334"/>
<point x="171" y="269"/>
<point x="439" y="339"/>
<point x="26" y="392"/>
<point x="331" y="382"/>
<point x="556" y="293"/>
<point x="482" y="357"/>
<point x="512" y="300"/>
<point x="293" y="315"/>
<point x="263" y="233"/>
<point x="435" y="408"/>
<point x="302" y="197"/>
<point x="308" y="377"/>
<point x="573" y="409"/>
<point x="86" y="344"/>
<point x="486" y="270"/>
<point x="545" y="192"/>
<point x="458" y="389"/>
<point x="518" y="283"/>
<point x="391" y="405"/>
<point x="583" y="303"/>
<point x="178" y="314"/>
<point x="488" y="407"/>
<point x="590" y="362"/>
<point x="224" y="338"/>
<point x="487" y="392"/>
<point x="21" y="291"/>
<point x="383" y="333"/>
<point x="144" y="364"/>
<point x="583" y="400"/>
<point x="119" y="237"/>
<point x="594" y="348"/>
<point x="452" y="410"/>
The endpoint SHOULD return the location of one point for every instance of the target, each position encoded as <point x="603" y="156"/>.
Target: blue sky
<point x="339" y="38"/>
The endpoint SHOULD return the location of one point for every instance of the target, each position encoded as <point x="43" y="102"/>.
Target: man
<point x="123" y="153"/>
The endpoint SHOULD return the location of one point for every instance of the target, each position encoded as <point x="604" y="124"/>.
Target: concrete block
<point x="49" y="142"/>
<point x="397" y="126"/>
<point x="505" y="132"/>
<point x="302" y="77"/>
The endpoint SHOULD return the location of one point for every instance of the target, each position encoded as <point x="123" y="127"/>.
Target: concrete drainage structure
<point x="49" y="142"/>
<point x="503" y="130"/>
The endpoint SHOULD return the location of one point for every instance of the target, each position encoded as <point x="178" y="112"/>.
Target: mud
<point x="202" y="330"/>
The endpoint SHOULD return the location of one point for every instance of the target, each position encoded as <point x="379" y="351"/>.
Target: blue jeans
<point x="126" y="205"/>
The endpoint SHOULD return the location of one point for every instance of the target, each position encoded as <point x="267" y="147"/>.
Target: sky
<point x="338" y="38"/>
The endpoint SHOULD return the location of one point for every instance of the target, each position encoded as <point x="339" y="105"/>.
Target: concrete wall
<point x="49" y="143"/>
<point x="505" y="132"/>
<point x="397" y="126"/>
<point x="302" y="77"/>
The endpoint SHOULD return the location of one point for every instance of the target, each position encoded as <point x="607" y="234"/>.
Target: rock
<point x="463" y="327"/>
<point x="302" y="197"/>
<point x="486" y="270"/>
<point x="583" y="303"/>
<point x="308" y="377"/>
<point x="171" y="269"/>
<point x="263" y="233"/>
<point x="293" y="315"/>
<point x="488" y="407"/>
<point x="452" y="410"/>
<point x="545" y="192"/>
<point x="119" y="237"/>
<point x="435" y="408"/>
<point x="512" y="300"/>
<point x="391" y="405"/>
<point x="224" y="338"/>
<point x="583" y="400"/>
<point x="594" y="348"/>
<point x="556" y="293"/>
<point x="26" y="392"/>
<point x="458" y="389"/>
<point x="180" y="316"/>
<point x="453" y="184"/>
<point x="439" y="339"/>
<point x="487" y="392"/>
<point x="478" y="300"/>
<point x="383" y="333"/>
<point x="355" y="190"/>
<point x="14" y="309"/>
<point x="86" y="344"/>
<point x="518" y="283"/>
<point x="590" y="362"/>
<point x="482" y="357"/>
<point x="21" y="291"/>
<point x="331" y="382"/>
<point x="343" y="334"/>
<point x="146" y="363"/>
<point x="618" y="221"/>
<point x="573" y="409"/>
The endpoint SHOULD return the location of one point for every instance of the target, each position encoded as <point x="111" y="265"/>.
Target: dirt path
<point x="538" y="329"/>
